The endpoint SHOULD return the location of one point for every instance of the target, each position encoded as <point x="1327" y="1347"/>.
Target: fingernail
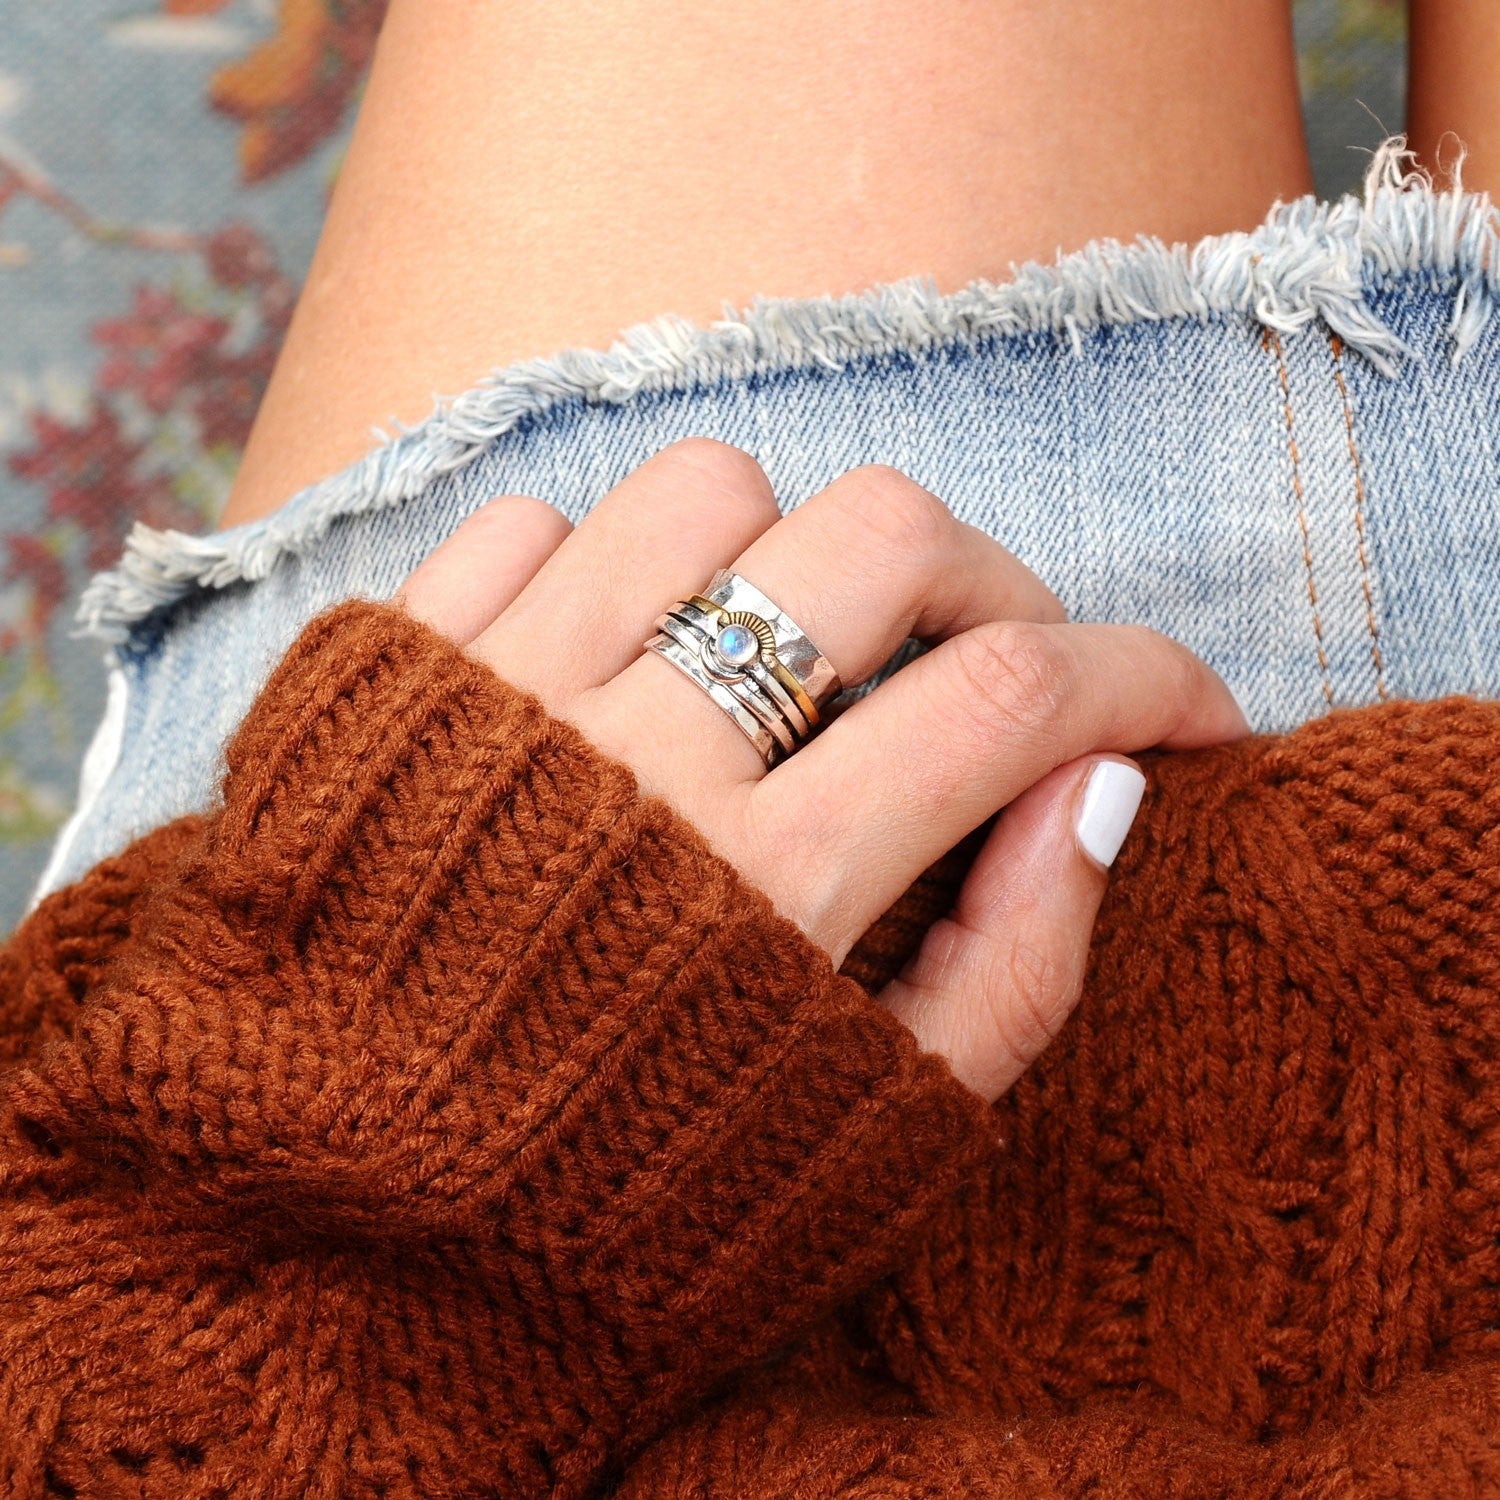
<point x="1111" y="798"/>
<point x="1249" y="727"/>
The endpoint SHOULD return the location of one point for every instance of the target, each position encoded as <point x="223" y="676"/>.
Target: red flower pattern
<point x="204" y="362"/>
<point x="96" y="480"/>
<point x="174" y="363"/>
<point x="159" y="348"/>
<point x="30" y="561"/>
<point x="182" y="371"/>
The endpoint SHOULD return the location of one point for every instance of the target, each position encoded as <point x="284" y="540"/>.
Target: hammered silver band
<point x="752" y="659"/>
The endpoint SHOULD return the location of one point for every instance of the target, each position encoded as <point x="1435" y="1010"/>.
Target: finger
<point x="993" y="981"/>
<point x="904" y="773"/>
<point x="862" y="565"/>
<point x="476" y="571"/>
<point x="661" y="530"/>
<point x="875" y="558"/>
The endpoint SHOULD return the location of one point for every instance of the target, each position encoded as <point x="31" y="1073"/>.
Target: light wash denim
<point x="1280" y="447"/>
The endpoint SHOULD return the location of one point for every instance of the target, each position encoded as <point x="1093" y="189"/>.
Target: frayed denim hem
<point x="1310" y="261"/>
<point x="1281" y="448"/>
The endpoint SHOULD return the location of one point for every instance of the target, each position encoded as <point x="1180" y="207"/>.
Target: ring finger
<point x="862" y="565"/>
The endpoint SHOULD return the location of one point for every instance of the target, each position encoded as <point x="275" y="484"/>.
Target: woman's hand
<point x="1012" y="708"/>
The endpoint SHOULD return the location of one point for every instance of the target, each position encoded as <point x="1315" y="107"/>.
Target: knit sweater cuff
<point x="535" y="1011"/>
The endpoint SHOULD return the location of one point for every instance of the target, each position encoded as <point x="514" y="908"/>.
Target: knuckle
<point x="1183" y="676"/>
<point x="905" y="517"/>
<point x="1014" y="675"/>
<point x="787" y="835"/>
<point x="1051" y="609"/>
<point x="733" y="475"/>
<point x="723" y="461"/>
<point x="768" y="828"/>
<point x="1189" y="675"/>
<point x="505" y="512"/>
<point x="1030" y="1005"/>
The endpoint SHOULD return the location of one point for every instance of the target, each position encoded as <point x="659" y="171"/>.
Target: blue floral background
<point x="164" y="168"/>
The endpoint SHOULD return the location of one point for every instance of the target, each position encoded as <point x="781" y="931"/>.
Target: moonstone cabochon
<point x="737" y="645"/>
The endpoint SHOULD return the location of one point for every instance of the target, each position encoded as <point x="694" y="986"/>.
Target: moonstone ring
<point x="752" y="659"/>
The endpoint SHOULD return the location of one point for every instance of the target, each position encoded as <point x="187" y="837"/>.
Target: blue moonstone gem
<point x="737" y="645"/>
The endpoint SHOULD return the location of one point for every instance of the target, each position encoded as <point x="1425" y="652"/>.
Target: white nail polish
<point x="1111" y="799"/>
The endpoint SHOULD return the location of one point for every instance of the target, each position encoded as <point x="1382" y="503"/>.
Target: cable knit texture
<point x="440" y="1116"/>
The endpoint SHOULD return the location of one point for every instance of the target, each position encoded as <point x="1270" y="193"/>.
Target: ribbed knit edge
<point x="547" y="1016"/>
<point x="814" y="1139"/>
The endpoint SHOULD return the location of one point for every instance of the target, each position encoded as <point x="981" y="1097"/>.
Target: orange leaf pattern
<point x="291" y="91"/>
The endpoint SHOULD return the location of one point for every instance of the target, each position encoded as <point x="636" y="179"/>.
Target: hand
<point x="1011" y="708"/>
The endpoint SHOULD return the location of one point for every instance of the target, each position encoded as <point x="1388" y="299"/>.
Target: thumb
<point x="994" y="980"/>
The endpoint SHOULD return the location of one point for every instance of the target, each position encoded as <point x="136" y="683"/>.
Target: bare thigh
<point x="528" y="177"/>
<point x="1454" y="92"/>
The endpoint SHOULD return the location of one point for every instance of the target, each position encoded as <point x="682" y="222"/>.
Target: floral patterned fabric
<point x="164" y="169"/>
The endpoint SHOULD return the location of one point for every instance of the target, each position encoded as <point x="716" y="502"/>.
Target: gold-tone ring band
<point x="787" y="678"/>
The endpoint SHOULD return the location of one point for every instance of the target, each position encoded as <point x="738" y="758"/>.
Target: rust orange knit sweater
<point x="441" y="1117"/>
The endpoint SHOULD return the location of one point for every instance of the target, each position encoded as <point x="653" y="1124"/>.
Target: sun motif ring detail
<point x="752" y="660"/>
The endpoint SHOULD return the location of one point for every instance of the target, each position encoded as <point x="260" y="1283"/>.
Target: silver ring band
<point x="807" y="664"/>
<point x="687" y="662"/>
<point x="765" y="708"/>
<point x="752" y="660"/>
<point x="757" y="670"/>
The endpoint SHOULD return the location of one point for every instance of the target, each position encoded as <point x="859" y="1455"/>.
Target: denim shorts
<point x="1281" y="447"/>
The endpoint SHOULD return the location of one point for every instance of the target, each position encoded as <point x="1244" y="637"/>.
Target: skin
<point x="1011" y="708"/>
<point x="1453" y="93"/>
<point x="527" y="177"/>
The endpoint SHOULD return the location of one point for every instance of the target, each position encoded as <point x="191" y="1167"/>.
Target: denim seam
<point x="1270" y="341"/>
<point x="1310" y="261"/>
<point x="1361" y="540"/>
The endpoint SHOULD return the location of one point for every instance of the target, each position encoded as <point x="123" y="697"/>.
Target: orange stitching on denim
<point x="1337" y="345"/>
<point x="1271" y="340"/>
